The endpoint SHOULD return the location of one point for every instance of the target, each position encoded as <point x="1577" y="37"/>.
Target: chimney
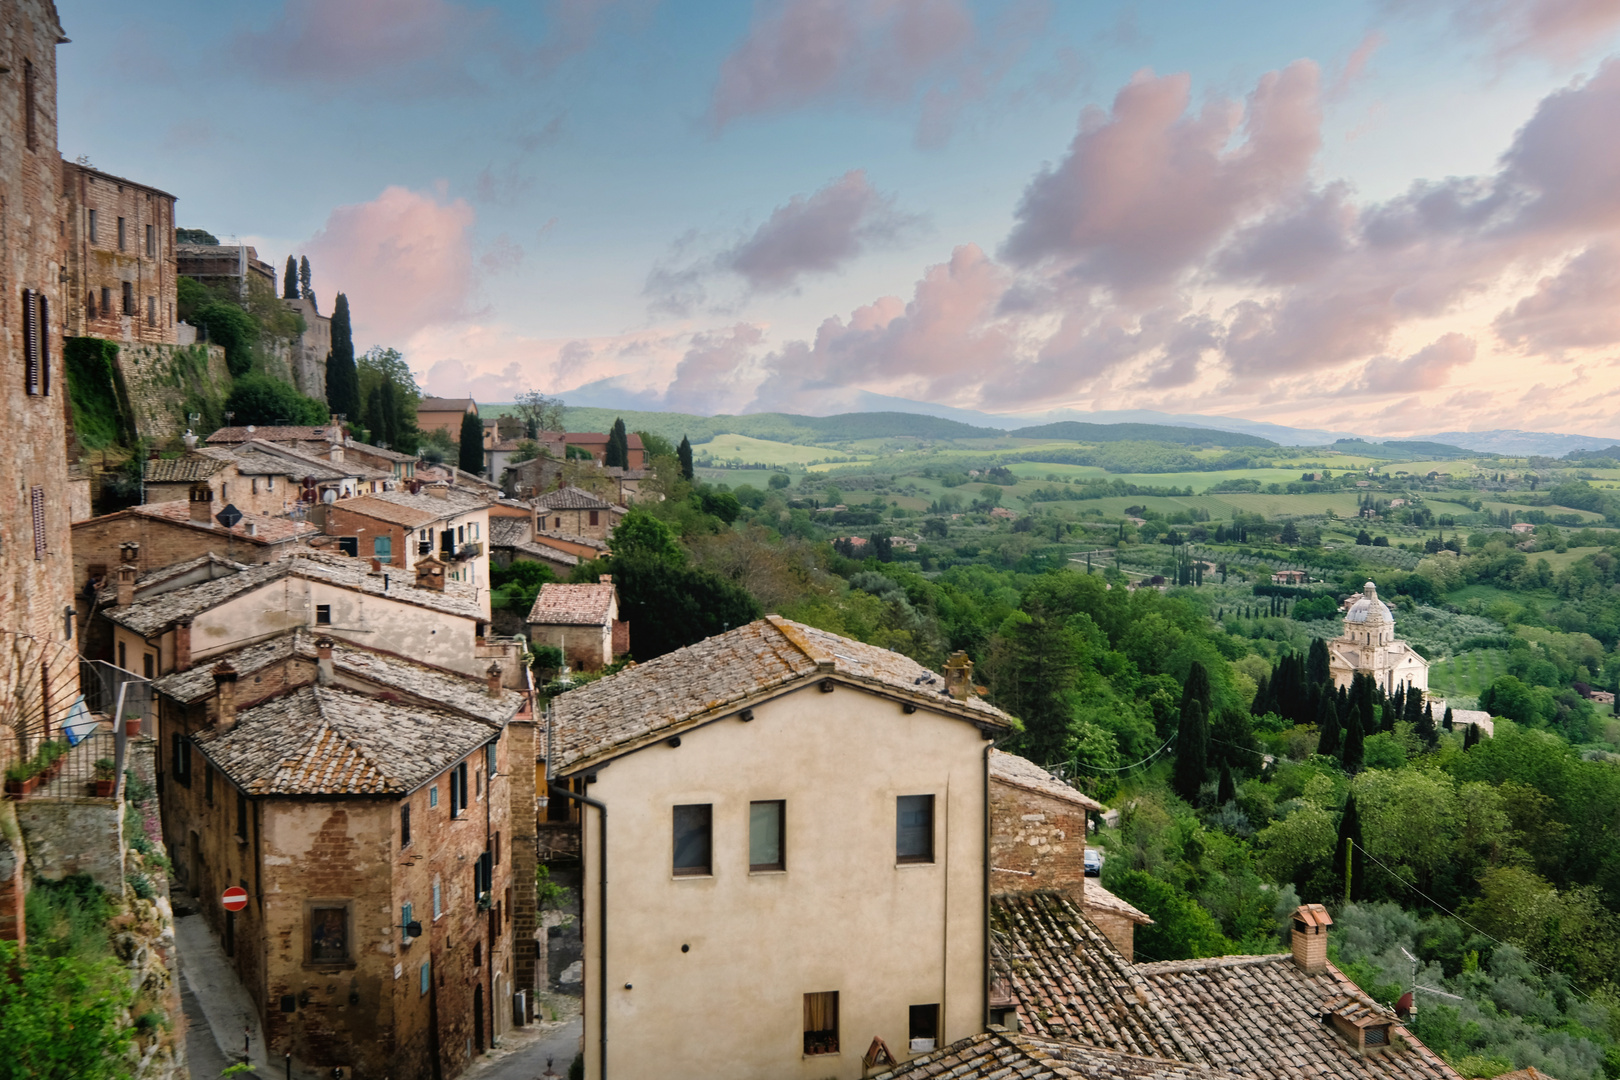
<point x="251" y="528"/>
<point x="1310" y="937"/>
<point x="439" y="489"/>
<point x="126" y="584"/>
<point x="604" y="579"/>
<point x="335" y="454"/>
<point x="225" y="692"/>
<point x="190" y="439"/>
<point x="430" y="574"/>
<point x="959" y="675"/>
<point x="376" y="566"/>
<point x="182" y="646"/>
<point x="130" y="552"/>
<point x="202" y="504"/>
<point x="494" y="677"/>
<point x="323" y="661"/>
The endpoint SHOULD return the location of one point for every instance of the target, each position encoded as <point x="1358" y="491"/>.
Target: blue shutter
<point x="426" y="976"/>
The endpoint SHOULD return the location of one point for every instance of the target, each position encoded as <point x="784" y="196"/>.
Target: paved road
<point x="527" y="1060"/>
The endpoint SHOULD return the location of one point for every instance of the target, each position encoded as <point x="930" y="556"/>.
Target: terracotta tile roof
<point x="266" y="529"/>
<point x="182" y="470"/>
<point x="573" y="605"/>
<point x="413" y="511"/>
<point x="682" y="689"/>
<point x="322" y="740"/>
<point x="542" y="535"/>
<point x="148" y="616"/>
<point x="1002" y="1055"/>
<point x="516" y="534"/>
<point x="1069" y="982"/>
<point x="1023" y="773"/>
<point x="1261" y="1017"/>
<point x="378" y="451"/>
<point x="274" y="433"/>
<point x="436" y="686"/>
<point x="445" y="404"/>
<point x="572" y="498"/>
<point x="1098" y="898"/>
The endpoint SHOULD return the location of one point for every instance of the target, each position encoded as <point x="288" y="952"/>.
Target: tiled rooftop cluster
<point x="266" y="529"/>
<point x="1071" y="983"/>
<point x="1001" y="1055"/>
<point x="573" y="605"/>
<point x="322" y="740"/>
<point x="683" y="688"/>
<point x="571" y="498"/>
<point x="518" y="535"/>
<point x="1024" y="773"/>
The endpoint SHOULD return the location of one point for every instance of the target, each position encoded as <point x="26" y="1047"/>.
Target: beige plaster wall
<point x="842" y="916"/>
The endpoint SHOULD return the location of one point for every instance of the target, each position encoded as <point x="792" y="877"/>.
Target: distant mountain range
<point x="608" y="394"/>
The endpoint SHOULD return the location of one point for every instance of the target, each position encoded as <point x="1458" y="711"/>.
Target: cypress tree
<point x="1262" y="695"/>
<point x="1355" y="750"/>
<point x="289" y="281"/>
<point x="1192" y="751"/>
<point x="1367" y="713"/>
<point x="1196" y="688"/>
<point x="375" y="422"/>
<point x="1399" y="700"/>
<point x="684" y="453"/>
<point x="1351" y="863"/>
<point x="1327" y="720"/>
<point x="1226" y="789"/>
<point x="1425" y="727"/>
<point x="472" y="444"/>
<point x="342" y="379"/>
<point x="618" y="446"/>
<point x="1318" y="669"/>
<point x="1471" y="737"/>
<point x="304" y="279"/>
<point x="1447" y="722"/>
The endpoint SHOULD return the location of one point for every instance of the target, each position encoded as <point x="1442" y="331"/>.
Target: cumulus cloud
<point x="712" y="376"/>
<point x="405" y="259"/>
<point x="1426" y="369"/>
<point x="1579" y="307"/>
<point x="802" y="52"/>
<point x="816" y="234"/>
<point x="1146" y="190"/>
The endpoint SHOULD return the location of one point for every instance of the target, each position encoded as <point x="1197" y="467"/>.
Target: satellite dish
<point x="329" y="496"/>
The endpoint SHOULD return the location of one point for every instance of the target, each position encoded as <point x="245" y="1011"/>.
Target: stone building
<point x="39" y="672"/>
<point x="400" y="527"/>
<point x="444" y="414"/>
<point x="582" y="621"/>
<point x="159" y="535"/>
<point x="573" y="512"/>
<point x="121" y="259"/>
<point x="364" y="802"/>
<point x="789" y="931"/>
<point x="307" y="355"/>
<point x="232" y="265"/>
<point x="1369" y="645"/>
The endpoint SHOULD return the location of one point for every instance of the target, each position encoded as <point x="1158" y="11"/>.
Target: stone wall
<point x="164" y="382"/>
<point x="75" y="835"/>
<point x="1036" y="841"/>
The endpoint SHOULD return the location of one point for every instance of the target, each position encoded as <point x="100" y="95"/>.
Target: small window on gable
<point x="765" y="827"/>
<point x="433" y="795"/>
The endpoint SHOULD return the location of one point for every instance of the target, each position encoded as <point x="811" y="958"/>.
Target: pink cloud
<point x="1577" y="308"/>
<point x="405" y="259"/>
<point x="713" y="373"/>
<point x="424" y="43"/>
<point x="1426" y="369"/>
<point x="1559" y="30"/>
<point x="1146" y="190"/>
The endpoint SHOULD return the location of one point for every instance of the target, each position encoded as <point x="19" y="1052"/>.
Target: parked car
<point x="1094" y="861"/>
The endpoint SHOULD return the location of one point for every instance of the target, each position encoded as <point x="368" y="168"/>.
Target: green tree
<point x="262" y="400"/>
<point x="1355" y="744"/>
<point x="391" y="395"/>
<point x="638" y="533"/>
<point x="654" y="446"/>
<point x="1034" y="665"/>
<point x="539" y="412"/>
<point x="1296" y="847"/>
<point x="1192" y="751"/>
<point x="1330" y="740"/>
<point x="228" y="326"/>
<point x="61" y="1016"/>
<point x="1181" y="929"/>
<point x="304" y="287"/>
<point x="618" y="446"/>
<point x="1350" y="859"/>
<point x="671" y="605"/>
<point x="684" y="453"/>
<point x="289" y="280"/>
<point x="472" y="444"/>
<point x="1318" y="668"/>
<point x="342" y="377"/>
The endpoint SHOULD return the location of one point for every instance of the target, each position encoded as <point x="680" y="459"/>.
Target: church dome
<point x="1367" y="608"/>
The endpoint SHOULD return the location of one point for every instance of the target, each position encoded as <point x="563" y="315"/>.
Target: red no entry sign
<point x="234" y="898"/>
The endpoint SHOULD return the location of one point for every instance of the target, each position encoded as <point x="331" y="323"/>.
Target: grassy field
<point x="1584" y="515"/>
<point x="744" y="448"/>
<point x="1468" y="674"/>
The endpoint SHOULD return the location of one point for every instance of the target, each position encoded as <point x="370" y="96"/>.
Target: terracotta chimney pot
<point x="323" y="661"/>
<point x="1310" y="937"/>
<point x="182" y="646"/>
<point x="493" y="676"/>
<point x="126" y="584"/>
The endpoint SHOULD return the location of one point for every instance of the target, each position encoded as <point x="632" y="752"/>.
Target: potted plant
<point x="106" y="781"/>
<point x="132" y="725"/>
<point x="49" y="760"/>
<point x="21" y="779"/>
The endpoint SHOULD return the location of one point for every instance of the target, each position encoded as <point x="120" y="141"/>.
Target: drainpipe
<point x="555" y="790"/>
<point x="985" y="928"/>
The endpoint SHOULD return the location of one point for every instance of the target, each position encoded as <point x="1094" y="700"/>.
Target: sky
<point x="1392" y="217"/>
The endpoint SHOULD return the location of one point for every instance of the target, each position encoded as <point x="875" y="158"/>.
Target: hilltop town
<point x="357" y="732"/>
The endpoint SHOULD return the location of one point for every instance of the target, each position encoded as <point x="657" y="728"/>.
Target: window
<point x="433" y="796"/>
<point x="106" y="300"/>
<point x="497" y="848"/>
<point x="129" y="292"/>
<point x="489" y="758"/>
<point x="821" y="1023"/>
<point x="121" y="234"/>
<point x="323" y="614"/>
<point x="924" y="1028"/>
<point x="404" y="924"/>
<point x="33" y="341"/>
<point x="241" y="816"/>
<point x="123" y="656"/>
<point x="151" y="242"/>
<point x="148" y="666"/>
<point x="483" y="875"/>
<point x="438" y="905"/>
<point x="458" y="790"/>
<point x="594" y="520"/>
<point x="382" y="547"/>
<point x="328" y="935"/>
<point x="31" y="132"/>
<point x="90" y="304"/>
<point x="36" y="504"/>
<point x="181" y="759"/>
<point x="426" y="978"/>
<point x="461" y="534"/>
<point x="151" y="311"/>
<point x="405" y="827"/>
<point x="765" y="820"/>
<point x="914" y="829"/>
<point x="350" y="546"/>
<point x="693" y="840"/>
<point x="91" y="227"/>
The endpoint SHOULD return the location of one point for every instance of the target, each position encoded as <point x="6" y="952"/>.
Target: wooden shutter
<point x="36" y="496"/>
<point x="30" y="340"/>
<point x="43" y="319"/>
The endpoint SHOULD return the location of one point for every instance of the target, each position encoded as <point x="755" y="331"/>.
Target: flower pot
<point x="104" y="788"/>
<point x="132" y="727"/>
<point x="19" y="789"/>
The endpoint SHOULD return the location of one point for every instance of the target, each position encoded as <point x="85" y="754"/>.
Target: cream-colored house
<point x="1369" y="645"/>
<point x="795" y="864"/>
<point x="164" y="622"/>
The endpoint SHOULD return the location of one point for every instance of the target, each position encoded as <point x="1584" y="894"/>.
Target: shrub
<point x="260" y="399"/>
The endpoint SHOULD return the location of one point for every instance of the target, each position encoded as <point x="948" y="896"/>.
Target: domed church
<point x="1369" y="645"/>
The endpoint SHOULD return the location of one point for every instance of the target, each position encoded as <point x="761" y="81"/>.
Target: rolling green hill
<point x="1077" y="431"/>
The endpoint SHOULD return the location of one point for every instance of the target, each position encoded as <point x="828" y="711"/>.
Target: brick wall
<point x="1041" y="837"/>
<point x="163" y="543"/>
<point x="341" y="521"/>
<point x="99" y="266"/>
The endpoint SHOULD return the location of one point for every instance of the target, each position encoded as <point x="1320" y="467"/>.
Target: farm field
<point x="1498" y="507"/>
<point x="745" y="448"/>
<point x="1467" y="674"/>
